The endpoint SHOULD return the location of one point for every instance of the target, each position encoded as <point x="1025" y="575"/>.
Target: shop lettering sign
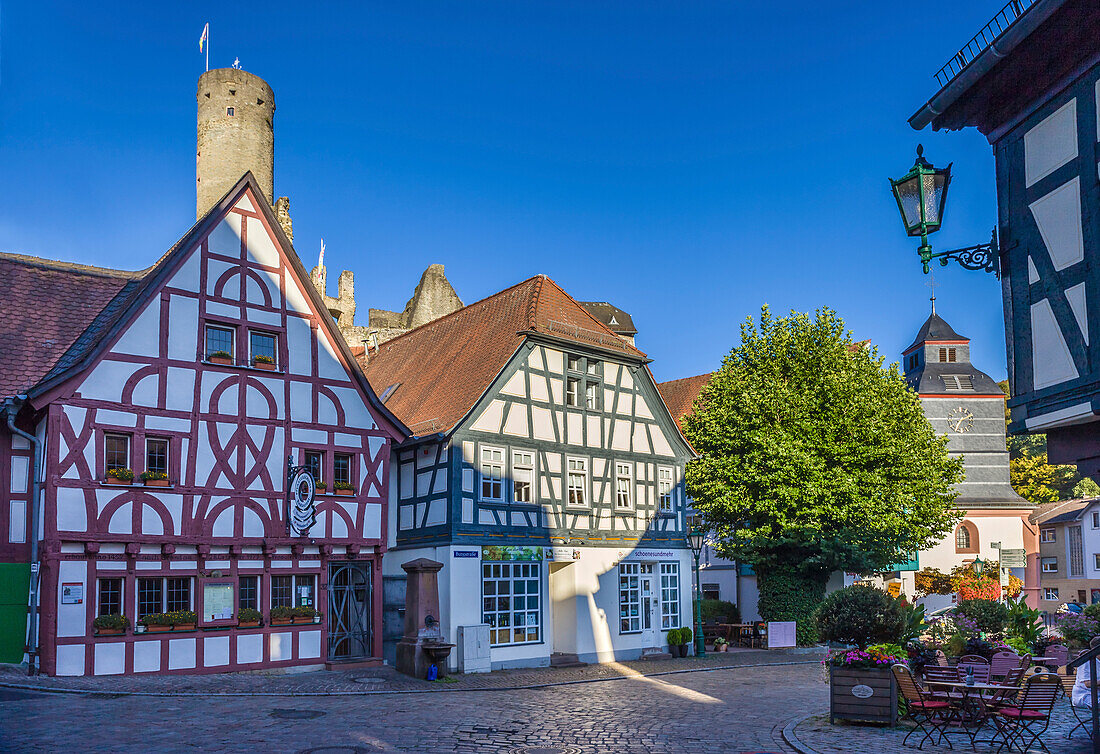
<point x="862" y="691"/>
<point x="562" y="554"/>
<point x="640" y="554"/>
<point x="466" y="553"/>
<point x="511" y="552"/>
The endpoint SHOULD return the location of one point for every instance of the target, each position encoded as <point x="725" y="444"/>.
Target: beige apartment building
<point x="1069" y="552"/>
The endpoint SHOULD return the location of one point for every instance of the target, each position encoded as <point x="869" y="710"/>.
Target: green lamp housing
<point x="921" y="195"/>
<point x="695" y="541"/>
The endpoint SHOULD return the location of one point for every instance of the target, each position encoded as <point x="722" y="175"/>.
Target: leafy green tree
<point x="815" y="458"/>
<point x="1086" y="488"/>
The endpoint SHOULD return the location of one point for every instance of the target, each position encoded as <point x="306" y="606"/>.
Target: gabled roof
<point x="47" y="307"/>
<point x="616" y="319"/>
<point x="1062" y="511"/>
<point x="679" y="395"/>
<point x="90" y="338"/>
<point x="442" y="368"/>
<point x="933" y="330"/>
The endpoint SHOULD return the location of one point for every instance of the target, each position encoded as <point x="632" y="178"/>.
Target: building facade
<point x="1030" y="82"/>
<point x="1069" y="553"/>
<point x="547" y="477"/>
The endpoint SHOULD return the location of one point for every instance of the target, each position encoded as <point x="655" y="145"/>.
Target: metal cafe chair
<point x="1029" y="717"/>
<point x="931" y="715"/>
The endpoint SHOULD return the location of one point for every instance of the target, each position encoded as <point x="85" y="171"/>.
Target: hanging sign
<point x="562" y="554"/>
<point x="894" y="588"/>
<point x="301" y="510"/>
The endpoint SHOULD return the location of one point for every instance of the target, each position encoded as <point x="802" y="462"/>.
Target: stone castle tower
<point x="235" y="134"/>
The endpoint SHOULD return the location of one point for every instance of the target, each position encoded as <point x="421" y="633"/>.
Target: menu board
<point x="217" y="601"/>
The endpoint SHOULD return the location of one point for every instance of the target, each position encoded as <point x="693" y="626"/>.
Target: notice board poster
<point x="217" y="601"/>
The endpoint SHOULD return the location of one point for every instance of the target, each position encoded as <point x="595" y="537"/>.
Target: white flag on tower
<point x="205" y="36"/>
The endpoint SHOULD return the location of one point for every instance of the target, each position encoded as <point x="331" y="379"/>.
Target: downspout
<point x="11" y="409"/>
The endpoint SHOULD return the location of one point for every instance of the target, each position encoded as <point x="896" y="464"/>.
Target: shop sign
<point x="72" y="593"/>
<point x="640" y="554"/>
<point x="894" y="588"/>
<point x="511" y="552"/>
<point x="466" y="554"/>
<point x="561" y="554"/>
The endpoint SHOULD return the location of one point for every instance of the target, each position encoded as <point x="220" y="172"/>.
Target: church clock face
<point x="960" y="419"/>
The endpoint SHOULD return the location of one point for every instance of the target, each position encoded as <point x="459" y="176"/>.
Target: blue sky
<point x="688" y="162"/>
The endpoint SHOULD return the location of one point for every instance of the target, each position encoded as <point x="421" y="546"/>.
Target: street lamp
<point x="921" y="195"/>
<point x="695" y="542"/>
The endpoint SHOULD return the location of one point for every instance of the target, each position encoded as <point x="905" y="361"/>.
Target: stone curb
<point x="442" y="689"/>
<point x="792" y="738"/>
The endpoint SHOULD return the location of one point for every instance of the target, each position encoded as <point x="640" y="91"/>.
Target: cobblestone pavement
<point x="725" y="710"/>
<point x="815" y="735"/>
<point x="386" y="679"/>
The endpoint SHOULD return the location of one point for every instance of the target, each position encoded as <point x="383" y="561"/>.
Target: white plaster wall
<point x="71" y="619"/>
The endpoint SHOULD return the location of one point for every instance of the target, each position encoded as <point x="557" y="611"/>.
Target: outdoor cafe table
<point x="733" y="630"/>
<point x="973" y="704"/>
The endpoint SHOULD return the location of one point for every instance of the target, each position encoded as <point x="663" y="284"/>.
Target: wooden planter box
<point x="155" y="482"/>
<point x="220" y="360"/>
<point x="156" y="629"/>
<point x="110" y="631"/>
<point x="869" y="696"/>
<point x="116" y="480"/>
<point x="266" y="366"/>
<point x="345" y="493"/>
<point x="281" y="621"/>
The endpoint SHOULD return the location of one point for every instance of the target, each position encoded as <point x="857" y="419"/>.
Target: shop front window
<point x="511" y="602"/>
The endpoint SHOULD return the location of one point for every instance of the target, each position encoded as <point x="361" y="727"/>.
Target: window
<point x="1096" y="561"/>
<point x="664" y="489"/>
<point x="523" y="475"/>
<point x="592" y="395"/>
<point x="110" y="597"/>
<point x="592" y="367"/>
<point x="1076" y="556"/>
<point x="912" y="361"/>
<point x="229" y="111"/>
<point x="958" y="382"/>
<point x="1050" y="565"/>
<point x="150" y="596"/>
<point x="248" y="593"/>
<point x="578" y="481"/>
<point x="492" y="474"/>
<point x="116" y="451"/>
<point x="179" y="595"/>
<point x="1095" y="520"/>
<point x="156" y="455"/>
<point x="163" y="595"/>
<point x="261" y="346"/>
<point x="219" y="341"/>
<point x="292" y="591"/>
<point x="573" y="392"/>
<point x="966" y="538"/>
<point x="711" y="592"/>
<point x="315" y="462"/>
<point x="947" y="355"/>
<point x="341" y="468"/>
<point x="624" y="481"/>
<point x="573" y="363"/>
<point x="1050" y="593"/>
<point x="1047" y="535"/>
<point x="510" y="602"/>
<point x="670" y="595"/>
<point x="630" y="602"/>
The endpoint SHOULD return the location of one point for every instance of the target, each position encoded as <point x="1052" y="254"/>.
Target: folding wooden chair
<point x="1003" y="662"/>
<point x="973" y="660"/>
<point x="941" y="659"/>
<point x="930" y="715"/>
<point x="1030" y="716"/>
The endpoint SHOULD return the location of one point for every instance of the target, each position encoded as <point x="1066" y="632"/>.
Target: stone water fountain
<point x="422" y="645"/>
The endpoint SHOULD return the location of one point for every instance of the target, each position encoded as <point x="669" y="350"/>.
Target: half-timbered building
<point x="203" y="377"/>
<point x="547" y="476"/>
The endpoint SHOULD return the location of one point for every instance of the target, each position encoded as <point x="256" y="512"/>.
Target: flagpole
<point x="208" y="49"/>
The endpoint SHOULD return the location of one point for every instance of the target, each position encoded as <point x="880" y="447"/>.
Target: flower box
<point x="248" y="624"/>
<point x="281" y="621"/>
<point x="216" y="359"/>
<point x="345" y="493"/>
<point x="863" y="694"/>
<point x="116" y="480"/>
<point x="110" y="631"/>
<point x="156" y="482"/>
<point x="265" y="365"/>
<point x="184" y="627"/>
<point x="299" y="619"/>
<point x="155" y="629"/>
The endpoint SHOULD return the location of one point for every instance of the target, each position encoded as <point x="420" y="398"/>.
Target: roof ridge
<point x="57" y="264"/>
<point x="533" y="304"/>
<point x="684" y="379"/>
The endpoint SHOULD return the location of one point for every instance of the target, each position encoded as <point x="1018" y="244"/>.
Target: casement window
<point x="295" y="590"/>
<point x="592" y="395"/>
<point x="219" y="340"/>
<point x="573" y="391"/>
<point x="913" y="361"/>
<point x="577" y="486"/>
<point x="248" y="592"/>
<point x="109" y="601"/>
<point x="341" y="468"/>
<point x="262" y="346"/>
<point x="229" y="111"/>
<point x="1096" y="561"/>
<point x="1095" y="520"/>
<point x="163" y="595"/>
<point x="156" y="455"/>
<point x="1047" y="535"/>
<point x="116" y="451"/>
<point x="947" y="355"/>
<point x="511" y="603"/>
<point x="523" y="476"/>
<point x="492" y="473"/>
<point x="966" y="538"/>
<point x="315" y="462"/>
<point x="1049" y="565"/>
<point x="582" y="382"/>
<point x="670" y="595"/>
<point x="1050" y="593"/>
<point x="630" y="602"/>
<point x="624" y="483"/>
<point x="664" y="488"/>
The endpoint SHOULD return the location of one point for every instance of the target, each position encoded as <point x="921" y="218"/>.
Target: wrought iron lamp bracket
<point x="983" y="256"/>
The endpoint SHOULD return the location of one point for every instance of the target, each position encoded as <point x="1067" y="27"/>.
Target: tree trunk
<point x="785" y="595"/>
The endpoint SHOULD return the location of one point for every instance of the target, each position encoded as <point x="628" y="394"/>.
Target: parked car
<point x="1071" y="607"/>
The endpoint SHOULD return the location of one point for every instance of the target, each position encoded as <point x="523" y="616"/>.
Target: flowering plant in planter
<point x="183" y="619"/>
<point x="263" y="362"/>
<point x="154" y="478"/>
<point x="343" y="488"/>
<point x="120" y="476"/>
<point x="1077" y="628"/>
<point x="877" y="656"/>
<point x="305" y="614"/>
<point x="320" y="486"/>
<point x="220" y="357"/>
<point x="248" y="616"/>
<point x="113" y="623"/>
<point x="156" y="622"/>
<point x="282" y="614"/>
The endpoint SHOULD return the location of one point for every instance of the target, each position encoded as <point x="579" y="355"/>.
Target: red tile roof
<point x="680" y="395"/>
<point x="47" y="305"/>
<point x="442" y="368"/>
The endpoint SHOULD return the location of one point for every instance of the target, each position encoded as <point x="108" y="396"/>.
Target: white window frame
<point x="1052" y="562"/>
<point x="520" y="466"/>
<point x="630" y="597"/>
<point x="208" y="326"/>
<point x="509" y="575"/>
<point x="1096" y="519"/>
<point x="584" y="472"/>
<point x="297" y="580"/>
<point x="129" y="450"/>
<point x="573" y="392"/>
<point x="163" y="592"/>
<point x="1046" y="536"/>
<point x="664" y="497"/>
<point x="628" y="477"/>
<point x="266" y="334"/>
<point x="1096" y="561"/>
<point x="669" y="575"/>
<point x="1050" y="593"/>
<point x="498" y="479"/>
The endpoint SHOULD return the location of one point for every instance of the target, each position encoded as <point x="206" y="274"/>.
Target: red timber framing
<point x="228" y="430"/>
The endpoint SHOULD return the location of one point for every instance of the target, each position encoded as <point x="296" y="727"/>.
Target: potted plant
<point x="861" y="685"/>
<point x="282" y="615"/>
<point x="264" y="362"/>
<point x="248" y="617"/>
<point x="120" y="476"/>
<point x="673" y="639"/>
<point x="305" y="614"/>
<point x="686" y="637"/>
<point x="320" y="486"/>
<point x="156" y="622"/>
<point x="220" y="357"/>
<point x="154" y="478"/>
<point x="343" y="488"/>
<point x="113" y="624"/>
<point x="721" y="645"/>
<point x="183" y="620"/>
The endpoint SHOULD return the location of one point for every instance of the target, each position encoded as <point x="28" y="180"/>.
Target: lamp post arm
<point x="983" y="256"/>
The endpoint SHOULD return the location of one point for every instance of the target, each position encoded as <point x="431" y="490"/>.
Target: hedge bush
<point x="860" y="615"/>
<point x="786" y="596"/>
<point x="712" y="609"/>
<point x="989" y="616"/>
